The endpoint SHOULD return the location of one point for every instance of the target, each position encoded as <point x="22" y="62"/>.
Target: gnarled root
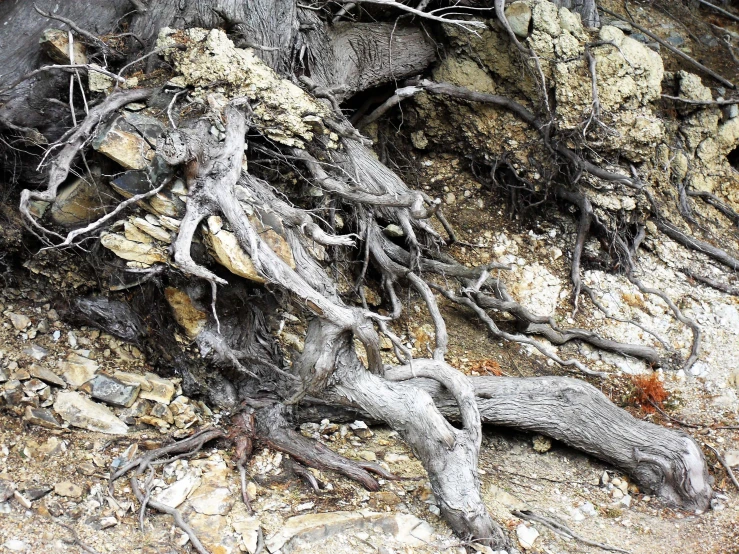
<point x="665" y="462"/>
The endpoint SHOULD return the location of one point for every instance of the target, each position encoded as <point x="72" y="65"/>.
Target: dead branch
<point x="723" y="462"/>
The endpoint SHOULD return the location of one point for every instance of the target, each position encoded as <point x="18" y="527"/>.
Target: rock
<point x="419" y="140"/>
<point x="112" y="391"/>
<point x="506" y="499"/>
<point x="15" y="545"/>
<point x="213" y="532"/>
<point x="368" y="455"/>
<point x="81" y="412"/>
<point x="77" y="370"/>
<point x="394" y="231"/>
<point x="152" y="230"/>
<point x="518" y="15"/>
<point x="617" y="494"/>
<point x="19" y="321"/>
<point x="410" y="530"/>
<point x="46" y="375"/>
<point x="81" y="202"/>
<point x="68" y="489"/>
<point x="393" y="458"/>
<point x="161" y="411"/>
<point x="122" y="143"/>
<point x="133" y="251"/>
<point x="541" y="443"/>
<point x="526" y="536"/>
<point x="190" y="318"/>
<point x="732" y="458"/>
<point x="55" y="44"/>
<point x="175" y="494"/>
<point x="7" y="488"/>
<point x="36" y="352"/>
<point x="42" y="417"/>
<point x="212" y="500"/>
<point x="162" y="390"/>
<point x="51" y="447"/>
<point x="99" y="82"/>
<point x="360" y="429"/>
<point x="450" y="198"/>
<point x="13" y="392"/>
<point x="227" y="252"/>
<point x="248" y="527"/>
<point x="588" y="509"/>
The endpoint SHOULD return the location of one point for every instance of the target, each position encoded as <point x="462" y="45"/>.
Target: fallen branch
<point x="724" y="463"/>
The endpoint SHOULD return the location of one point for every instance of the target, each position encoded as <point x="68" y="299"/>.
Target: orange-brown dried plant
<point x="649" y="391"/>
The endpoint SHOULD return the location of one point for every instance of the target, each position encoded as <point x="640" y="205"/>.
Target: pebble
<point x="36" y="352"/>
<point x="41" y="417"/>
<point x="46" y="375"/>
<point x="541" y="443"/>
<point x="360" y="429"/>
<point x="394" y="231"/>
<point x="19" y="321"/>
<point x="68" y="489"/>
<point x="367" y="455"/>
<point x="15" y="545"/>
<point x="7" y="488"/>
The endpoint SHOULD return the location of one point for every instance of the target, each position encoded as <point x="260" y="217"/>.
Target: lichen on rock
<point x="208" y="61"/>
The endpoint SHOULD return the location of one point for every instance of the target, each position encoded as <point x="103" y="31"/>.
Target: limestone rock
<point x="77" y="370"/>
<point x="41" y="417"/>
<point x="162" y="390"/>
<point x="112" y="391"/>
<point x="81" y="202"/>
<point x="55" y="44"/>
<point x="152" y="230"/>
<point x="541" y="443"/>
<point x="68" y="489"/>
<point x="19" y="321"/>
<point x="46" y="375"/>
<point x="86" y="414"/>
<point x="519" y="18"/>
<point x="214" y="533"/>
<point x="190" y="318"/>
<point x="177" y="492"/>
<point x="99" y="82"/>
<point x="526" y="536"/>
<point x="212" y="500"/>
<point x="284" y="113"/>
<point x="122" y="143"/>
<point x="133" y="251"/>
<point x="227" y="252"/>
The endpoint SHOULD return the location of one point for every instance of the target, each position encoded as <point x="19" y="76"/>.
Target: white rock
<point x="15" y="545"/>
<point x="526" y="536"/>
<point x="175" y="494"/>
<point x="82" y="412"/>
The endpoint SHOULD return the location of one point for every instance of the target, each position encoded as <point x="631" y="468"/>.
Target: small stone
<point x="588" y="509"/>
<point x="541" y="443"/>
<point x="7" y="488"/>
<point x="81" y="412"/>
<point x="625" y="501"/>
<point x="37" y="493"/>
<point x="15" y="545"/>
<point x="112" y="391"/>
<point x="394" y="231"/>
<point x="393" y="458"/>
<point x="367" y="455"/>
<point x="77" y="370"/>
<point x="518" y="15"/>
<point x="36" y="352"/>
<point x="68" y="489"/>
<point x="177" y="492"/>
<point x="46" y="375"/>
<point x="19" y="321"/>
<point x="98" y="82"/>
<point x="186" y="314"/>
<point x="22" y="500"/>
<point x="52" y="447"/>
<point x="617" y="494"/>
<point x="41" y="417"/>
<point x="162" y="412"/>
<point x="212" y="500"/>
<point x="360" y="429"/>
<point x="162" y="390"/>
<point x="526" y="536"/>
<point x="122" y="143"/>
<point x="450" y="198"/>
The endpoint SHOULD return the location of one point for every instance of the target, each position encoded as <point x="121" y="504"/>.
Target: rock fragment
<point x="19" y="321"/>
<point x="112" y="391"/>
<point x="77" y="370"/>
<point x="86" y="414"/>
<point x="55" y="44"/>
<point x="68" y="489"/>
<point x="518" y="15"/>
<point x="526" y="536"/>
<point x="41" y="417"/>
